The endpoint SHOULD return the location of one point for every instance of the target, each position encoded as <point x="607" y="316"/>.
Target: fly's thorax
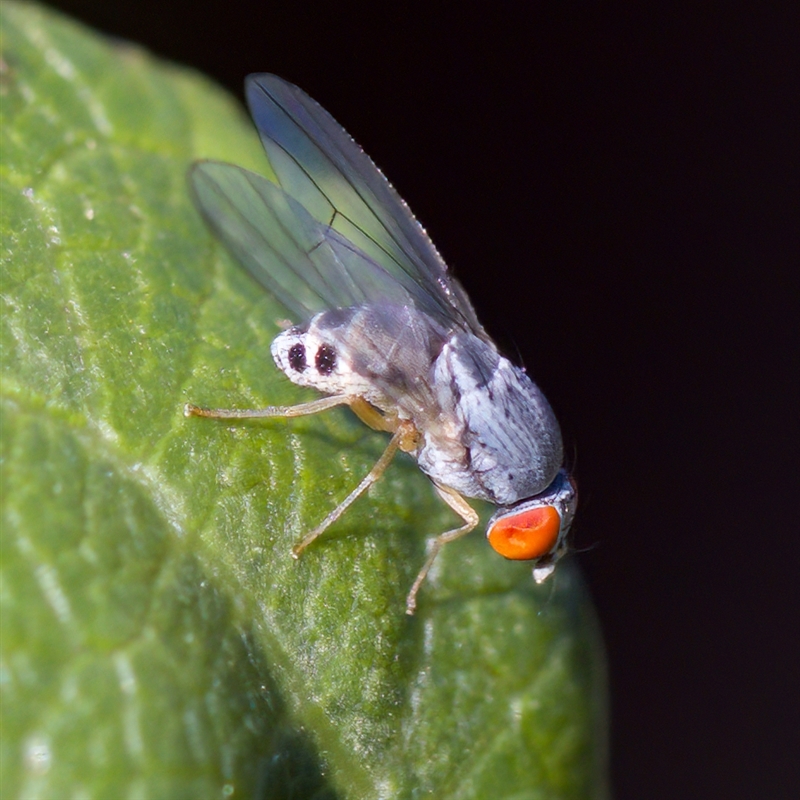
<point x="497" y="437"/>
<point x="381" y="352"/>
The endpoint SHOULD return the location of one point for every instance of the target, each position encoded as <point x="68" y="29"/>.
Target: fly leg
<point x="471" y="519"/>
<point x="381" y="421"/>
<point x="404" y="434"/>
<point x="405" y="437"/>
<point x="401" y="435"/>
<point x="314" y="407"/>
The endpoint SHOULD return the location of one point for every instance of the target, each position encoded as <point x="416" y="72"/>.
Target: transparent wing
<point x="307" y="265"/>
<point x="325" y="171"/>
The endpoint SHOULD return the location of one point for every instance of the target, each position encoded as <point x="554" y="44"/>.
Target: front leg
<point x="471" y="519"/>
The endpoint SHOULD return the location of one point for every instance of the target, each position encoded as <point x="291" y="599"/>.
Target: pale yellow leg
<point x="371" y="477"/>
<point x="370" y="415"/>
<point x="404" y="437"/>
<point x="314" y="407"/>
<point x="471" y="519"/>
<point x="378" y="421"/>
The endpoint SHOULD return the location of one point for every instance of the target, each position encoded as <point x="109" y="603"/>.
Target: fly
<point x="386" y="330"/>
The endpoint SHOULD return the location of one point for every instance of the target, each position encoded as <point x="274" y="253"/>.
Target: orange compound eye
<point x="529" y="534"/>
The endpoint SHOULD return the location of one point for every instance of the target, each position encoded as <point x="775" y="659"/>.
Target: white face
<point x="536" y="529"/>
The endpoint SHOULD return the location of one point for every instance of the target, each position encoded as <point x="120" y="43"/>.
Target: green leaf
<point x="158" y="640"/>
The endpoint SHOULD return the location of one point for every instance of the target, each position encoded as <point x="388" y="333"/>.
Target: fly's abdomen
<point x="382" y="353"/>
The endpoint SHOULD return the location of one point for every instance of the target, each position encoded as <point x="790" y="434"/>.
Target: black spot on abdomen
<point x="297" y="357"/>
<point x="325" y="359"/>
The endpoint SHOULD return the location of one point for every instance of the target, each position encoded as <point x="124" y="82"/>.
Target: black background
<point x="617" y="187"/>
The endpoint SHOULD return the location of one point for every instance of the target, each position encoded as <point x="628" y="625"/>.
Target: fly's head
<point x="536" y="529"/>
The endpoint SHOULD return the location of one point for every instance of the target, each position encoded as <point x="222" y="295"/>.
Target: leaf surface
<point x="158" y="640"/>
